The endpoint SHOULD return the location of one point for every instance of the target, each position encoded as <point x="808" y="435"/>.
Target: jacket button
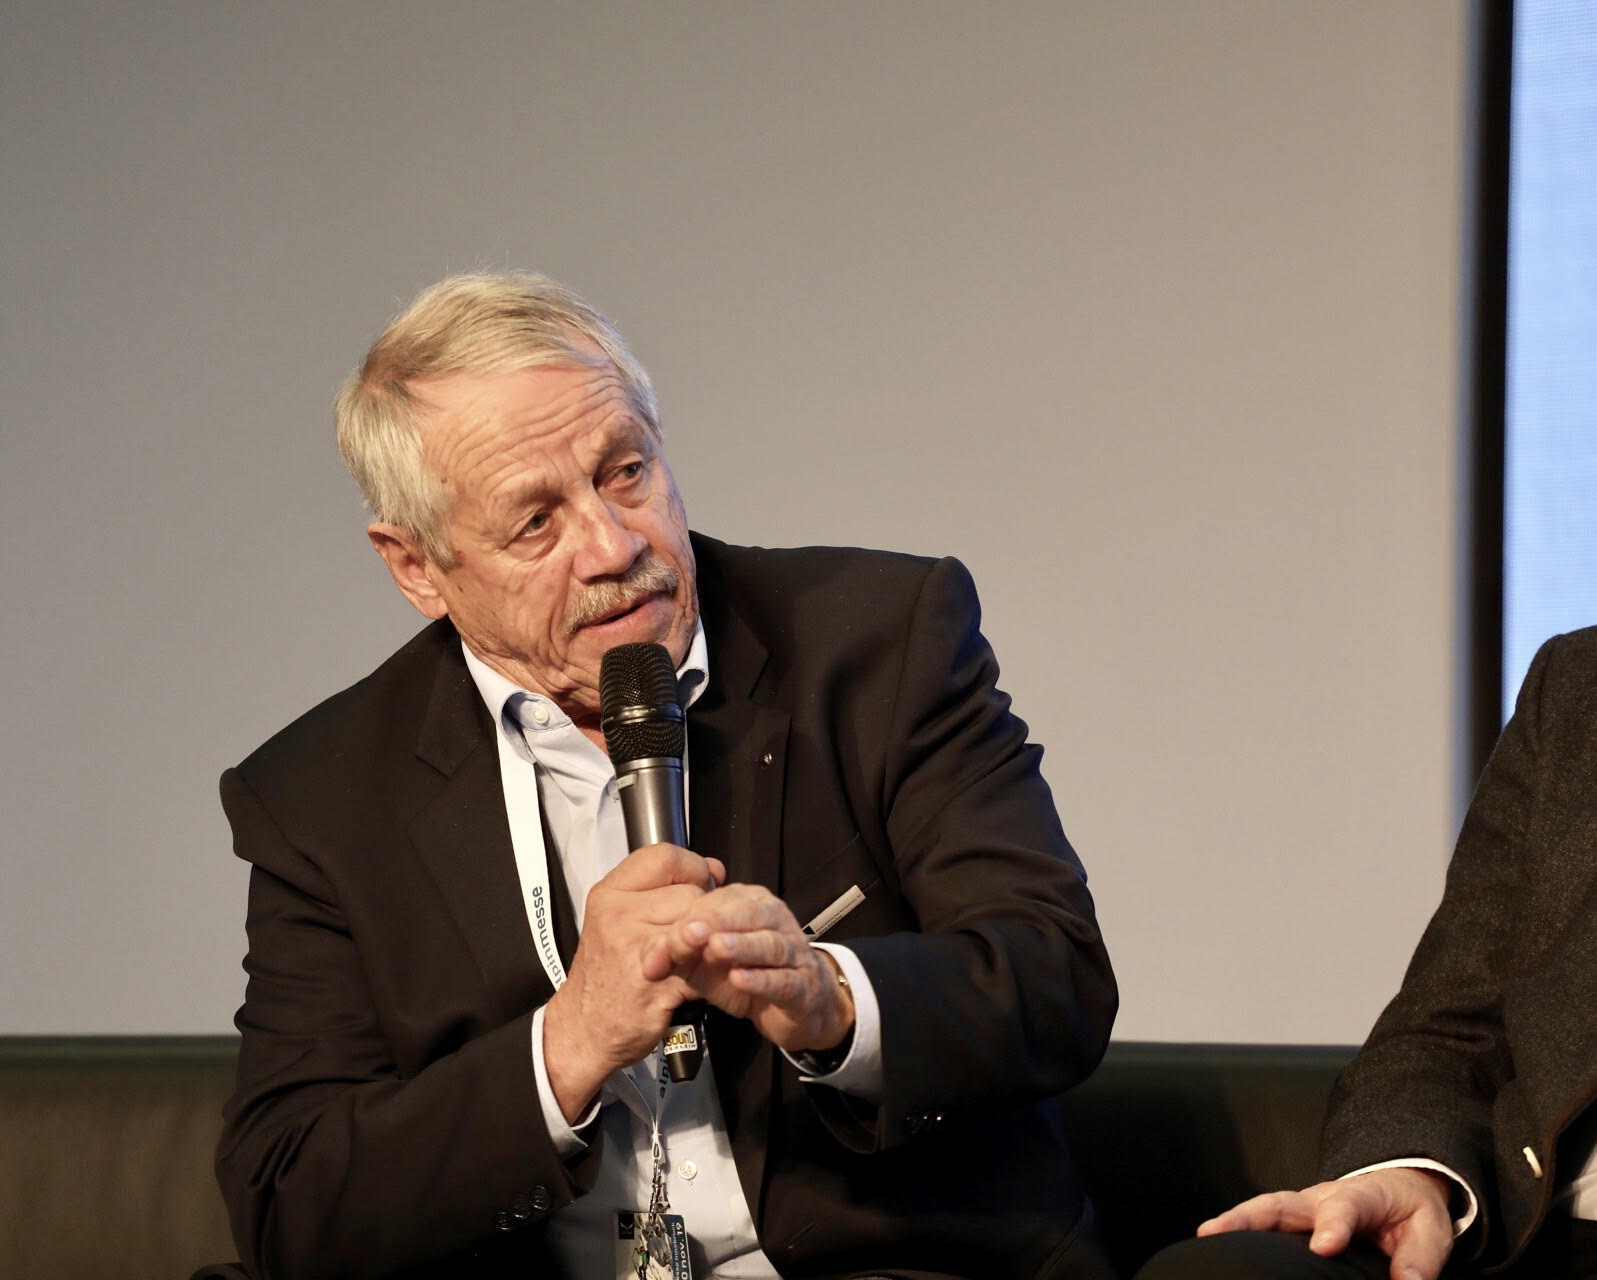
<point x="540" y="1199"/>
<point x="521" y="1208"/>
<point x="504" y="1221"/>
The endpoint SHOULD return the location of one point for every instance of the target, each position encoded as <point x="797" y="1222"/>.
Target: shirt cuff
<point x="860" y="1072"/>
<point x="1472" y="1206"/>
<point x="567" y="1141"/>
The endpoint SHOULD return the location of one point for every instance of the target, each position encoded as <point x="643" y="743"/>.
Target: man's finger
<point x="656" y="865"/>
<point x="1337" y="1219"/>
<point x="735" y="909"/>
<point x="652" y="909"/>
<point x="681" y="912"/>
<point x="1274" y="1211"/>
<point x="658" y="964"/>
<point x="783" y="987"/>
<point x="759" y="948"/>
<point x="665" y="907"/>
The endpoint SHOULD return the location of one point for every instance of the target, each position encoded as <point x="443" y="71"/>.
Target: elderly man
<point x="422" y="1090"/>
<point x="1464" y="1133"/>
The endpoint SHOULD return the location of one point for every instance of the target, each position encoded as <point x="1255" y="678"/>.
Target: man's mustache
<point x="650" y="576"/>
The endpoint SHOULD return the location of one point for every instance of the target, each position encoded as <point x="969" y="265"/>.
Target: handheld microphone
<point x="645" y="733"/>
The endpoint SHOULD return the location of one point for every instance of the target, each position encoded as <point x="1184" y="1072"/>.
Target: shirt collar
<point x="511" y="705"/>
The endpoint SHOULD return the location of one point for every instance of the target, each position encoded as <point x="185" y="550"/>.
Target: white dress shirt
<point x="548" y="765"/>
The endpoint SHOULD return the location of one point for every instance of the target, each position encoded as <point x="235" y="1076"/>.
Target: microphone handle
<point x="651" y="802"/>
<point x="652" y="810"/>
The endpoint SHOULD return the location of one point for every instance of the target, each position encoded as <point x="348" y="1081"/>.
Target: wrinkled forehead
<point x="473" y="426"/>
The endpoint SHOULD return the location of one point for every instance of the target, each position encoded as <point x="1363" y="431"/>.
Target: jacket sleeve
<point x="333" y="1160"/>
<point x="1004" y="993"/>
<point x="1428" y="1077"/>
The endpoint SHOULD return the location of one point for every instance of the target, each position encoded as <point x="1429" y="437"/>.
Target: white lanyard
<point x="525" y="814"/>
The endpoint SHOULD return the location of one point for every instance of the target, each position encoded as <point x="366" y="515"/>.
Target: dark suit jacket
<point x="386" y="1115"/>
<point x="1491" y="1045"/>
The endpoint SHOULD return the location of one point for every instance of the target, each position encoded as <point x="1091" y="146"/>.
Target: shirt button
<point x="540" y="713"/>
<point x="688" y="1170"/>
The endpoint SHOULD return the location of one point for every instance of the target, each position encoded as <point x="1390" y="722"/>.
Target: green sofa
<point x="105" y="1146"/>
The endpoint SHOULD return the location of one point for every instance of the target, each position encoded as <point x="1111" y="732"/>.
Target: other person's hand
<point x="610" y="1013"/>
<point x="1404" y="1211"/>
<point x="741" y="949"/>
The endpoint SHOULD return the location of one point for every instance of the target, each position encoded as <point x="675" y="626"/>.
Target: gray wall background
<point x="1149" y="311"/>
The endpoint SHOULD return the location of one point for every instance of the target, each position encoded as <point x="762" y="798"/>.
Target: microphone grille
<point x="636" y="675"/>
<point x="639" y="709"/>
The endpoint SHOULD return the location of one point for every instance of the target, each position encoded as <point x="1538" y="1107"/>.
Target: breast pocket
<point x="839" y="893"/>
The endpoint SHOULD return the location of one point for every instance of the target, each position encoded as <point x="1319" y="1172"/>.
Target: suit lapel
<point x="737" y="756"/>
<point x="463" y="839"/>
<point x="737" y="752"/>
<point x="737" y="743"/>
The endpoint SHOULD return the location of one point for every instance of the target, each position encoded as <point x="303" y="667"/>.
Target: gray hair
<point x="479" y="323"/>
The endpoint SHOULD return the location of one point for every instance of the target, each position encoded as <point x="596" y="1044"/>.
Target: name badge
<point x="662" y="1258"/>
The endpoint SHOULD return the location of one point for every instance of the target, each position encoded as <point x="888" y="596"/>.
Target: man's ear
<point x="412" y="570"/>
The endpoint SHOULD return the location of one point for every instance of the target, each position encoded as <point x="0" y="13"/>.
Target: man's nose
<point x="609" y="545"/>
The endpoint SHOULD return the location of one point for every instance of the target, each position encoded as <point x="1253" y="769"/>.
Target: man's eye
<point x="535" y="525"/>
<point x="629" y="472"/>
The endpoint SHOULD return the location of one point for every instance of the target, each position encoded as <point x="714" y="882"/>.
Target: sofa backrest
<point x="106" y="1149"/>
<point x="1170" y="1134"/>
